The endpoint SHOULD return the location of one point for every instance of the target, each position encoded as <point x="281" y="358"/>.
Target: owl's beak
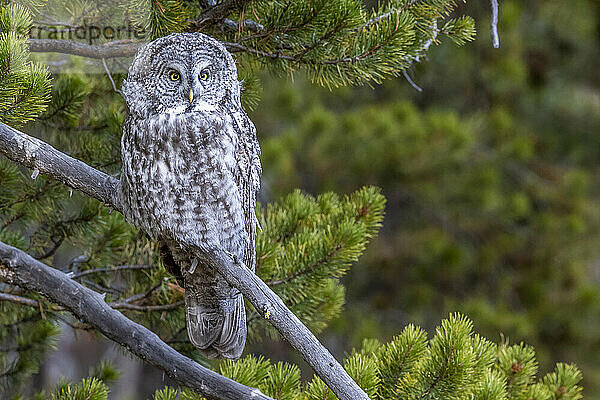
<point x="191" y="95"/>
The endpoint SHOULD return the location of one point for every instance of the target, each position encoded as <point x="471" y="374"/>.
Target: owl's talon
<point x="231" y="255"/>
<point x="257" y="223"/>
<point x="193" y="266"/>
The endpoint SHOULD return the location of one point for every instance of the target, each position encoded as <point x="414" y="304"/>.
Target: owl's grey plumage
<point x="191" y="170"/>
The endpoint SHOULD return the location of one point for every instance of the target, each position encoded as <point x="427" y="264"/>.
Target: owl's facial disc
<point x="187" y="78"/>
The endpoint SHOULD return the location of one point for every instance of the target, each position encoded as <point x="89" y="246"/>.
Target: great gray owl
<point x="191" y="170"/>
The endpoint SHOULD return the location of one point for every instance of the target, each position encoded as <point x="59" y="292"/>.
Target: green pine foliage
<point x="24" y="85"/>
<point x="25" y="338"/>
<point x="156" y="18"/>
<point x="92" y="388"/>
<point x="87" y="389"/>
<point x="105" y="372"/>
<point x="455" y="364"/>
<point x="304" y="243"/>
<point x="339" y="43"/>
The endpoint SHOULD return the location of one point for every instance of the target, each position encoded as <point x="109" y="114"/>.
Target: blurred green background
<point x="491" y="176"/>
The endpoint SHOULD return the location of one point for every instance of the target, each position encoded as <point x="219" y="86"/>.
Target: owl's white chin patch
<point x="200" y="106"/>
<point x="204" y="107"/>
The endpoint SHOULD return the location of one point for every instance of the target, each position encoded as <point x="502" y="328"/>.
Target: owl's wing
<point x="247" y="177"/>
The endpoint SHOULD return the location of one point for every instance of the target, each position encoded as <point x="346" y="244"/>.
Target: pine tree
<point x="307" y="243"/>
<point x="24" y="85"/>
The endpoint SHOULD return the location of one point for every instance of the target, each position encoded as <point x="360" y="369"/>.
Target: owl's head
<point x="181" y="73"/>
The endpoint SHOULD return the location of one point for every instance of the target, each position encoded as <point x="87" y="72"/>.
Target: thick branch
<point x="90" y="307"/>
<point x="123" y="50"/>
<point x="246" y="24"/>
<point x="105" y="188"/>
<point x="272" y="308"/>
<point x="84" y="49"/>
<point x="135" y="307"/>
<point x="98" y="51"/>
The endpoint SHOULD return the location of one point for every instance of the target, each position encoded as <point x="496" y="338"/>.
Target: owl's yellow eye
<point x="203" y="75"/>
<point x="174" y="75"/>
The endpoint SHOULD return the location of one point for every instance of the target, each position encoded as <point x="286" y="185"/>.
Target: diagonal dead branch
<point x="109" y="269"/>
<point x="116" y="90"/>
<point x="117" y="305"/>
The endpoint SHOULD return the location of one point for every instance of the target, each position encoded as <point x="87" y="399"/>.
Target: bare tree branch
<point x="105" y="51"/>
<point x="411" y="82"/>
<point x="84" y="49"/>
<point x="272" y="308"/>
<point x="495" y="37"/>
<point x="246" y="24"/>
<point x="117" y="305"/>
<point x="90" y="307"/>
<point x="111" y="78"/>
<point x="135" y="307"/>
<point x="141" y="296"/>
<point x="24" y="301"/>
<point x="122" y="50"/>
<point x="34" y="153"/>
<point x="109" y="269"/>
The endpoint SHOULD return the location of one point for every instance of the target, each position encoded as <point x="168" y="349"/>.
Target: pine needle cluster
<point x="306" y="244"/>
<point x="154" y="18"/>
<point x="25" y="338"/>
<point x="339" y="43"/>
<point x="24" y="85"/>
<point x="454" y="364"/>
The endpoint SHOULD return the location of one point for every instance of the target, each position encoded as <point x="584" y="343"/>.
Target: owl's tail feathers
<point x="217" y="328"/>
